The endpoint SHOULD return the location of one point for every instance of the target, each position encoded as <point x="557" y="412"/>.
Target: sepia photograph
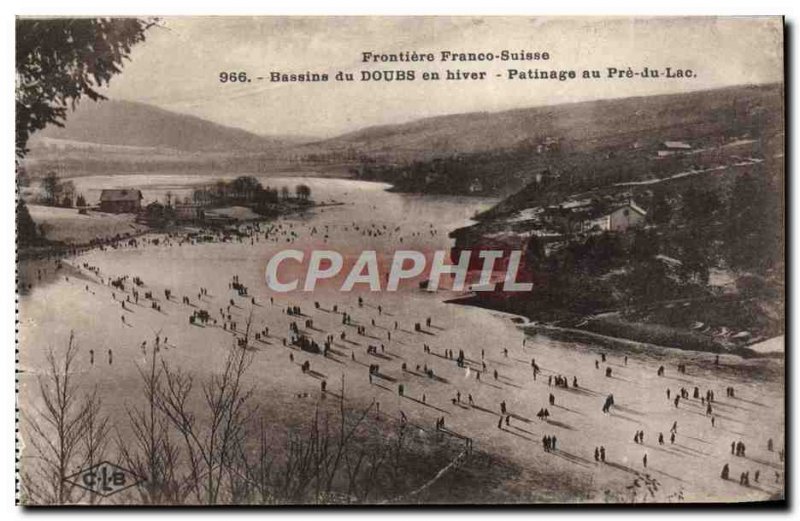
<point x="400" y="260"/>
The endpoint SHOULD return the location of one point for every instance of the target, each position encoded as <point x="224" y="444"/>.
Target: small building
<point x="617" y="219"/>
<point x="156" y="215"/>
<point x="670" y="262"/>
<point x="120" y="200"/>
<point x="188" y="212"/>
<point x="669" y="148"/>
<point x="548" y="144"/>
<point x="219" y="218"/>
<point x="475" y="186"/>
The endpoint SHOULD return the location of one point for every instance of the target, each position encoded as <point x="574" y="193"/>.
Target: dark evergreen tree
<point x="753" y="235"/>
<point x="60" y="60"/>
<point x="27" y="233"/>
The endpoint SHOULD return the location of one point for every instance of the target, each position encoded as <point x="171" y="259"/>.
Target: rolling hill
<point x="131" y="124"/>
<point x="585" y="124"/>
<point x="480" y="153"/>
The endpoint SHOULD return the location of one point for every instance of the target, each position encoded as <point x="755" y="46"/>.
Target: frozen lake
<point x="372" y="218"/>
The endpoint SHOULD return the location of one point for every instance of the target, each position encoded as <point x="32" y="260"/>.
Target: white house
<point x="669" y="148"/>
<point x="617" y="219"/>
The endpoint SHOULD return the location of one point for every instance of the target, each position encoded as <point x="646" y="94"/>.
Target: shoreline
<point x="49" y="248"/>
<point x="585" y="336"/>
<point x="566" y="333"/>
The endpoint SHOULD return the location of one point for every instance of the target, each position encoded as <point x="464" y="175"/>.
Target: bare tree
<point x="220" y="456"/>
<point x="363" y="468"/>
<point x="211" y="444"/>
<point x="396" y="456"/>
<point x="152" y="455"/>
<point x="256" y="483"/>
<point x="95" y="433"/>
<point x="321" y="461"/>
<point x="301" y="467"/>
<point x="57" y="431"/>
<point x="345" y="437"/>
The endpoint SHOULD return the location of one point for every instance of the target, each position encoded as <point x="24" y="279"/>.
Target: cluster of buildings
<point x="591" y="216"/>
<point x="127" y="200"/>
<point x="554" y="224"/>
<point x="583" y="216"/>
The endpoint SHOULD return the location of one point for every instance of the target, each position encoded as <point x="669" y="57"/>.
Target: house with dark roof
<point x="124" y="200"/>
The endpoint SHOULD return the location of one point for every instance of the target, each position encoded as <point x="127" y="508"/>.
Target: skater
<point x="609" y="402"/>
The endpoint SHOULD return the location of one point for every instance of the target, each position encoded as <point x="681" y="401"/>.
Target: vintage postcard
<point x="400" y="260"/>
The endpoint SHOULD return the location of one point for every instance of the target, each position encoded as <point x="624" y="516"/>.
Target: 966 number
<point x="233" y="77"/>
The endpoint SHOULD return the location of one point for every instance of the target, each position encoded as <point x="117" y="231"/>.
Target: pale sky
<point x="178" y="67"/>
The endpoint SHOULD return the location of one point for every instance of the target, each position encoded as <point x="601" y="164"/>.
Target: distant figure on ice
<point x="609" y="403"/>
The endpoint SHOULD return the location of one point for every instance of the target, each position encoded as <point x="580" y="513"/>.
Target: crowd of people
<point x="312" y="332"/>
